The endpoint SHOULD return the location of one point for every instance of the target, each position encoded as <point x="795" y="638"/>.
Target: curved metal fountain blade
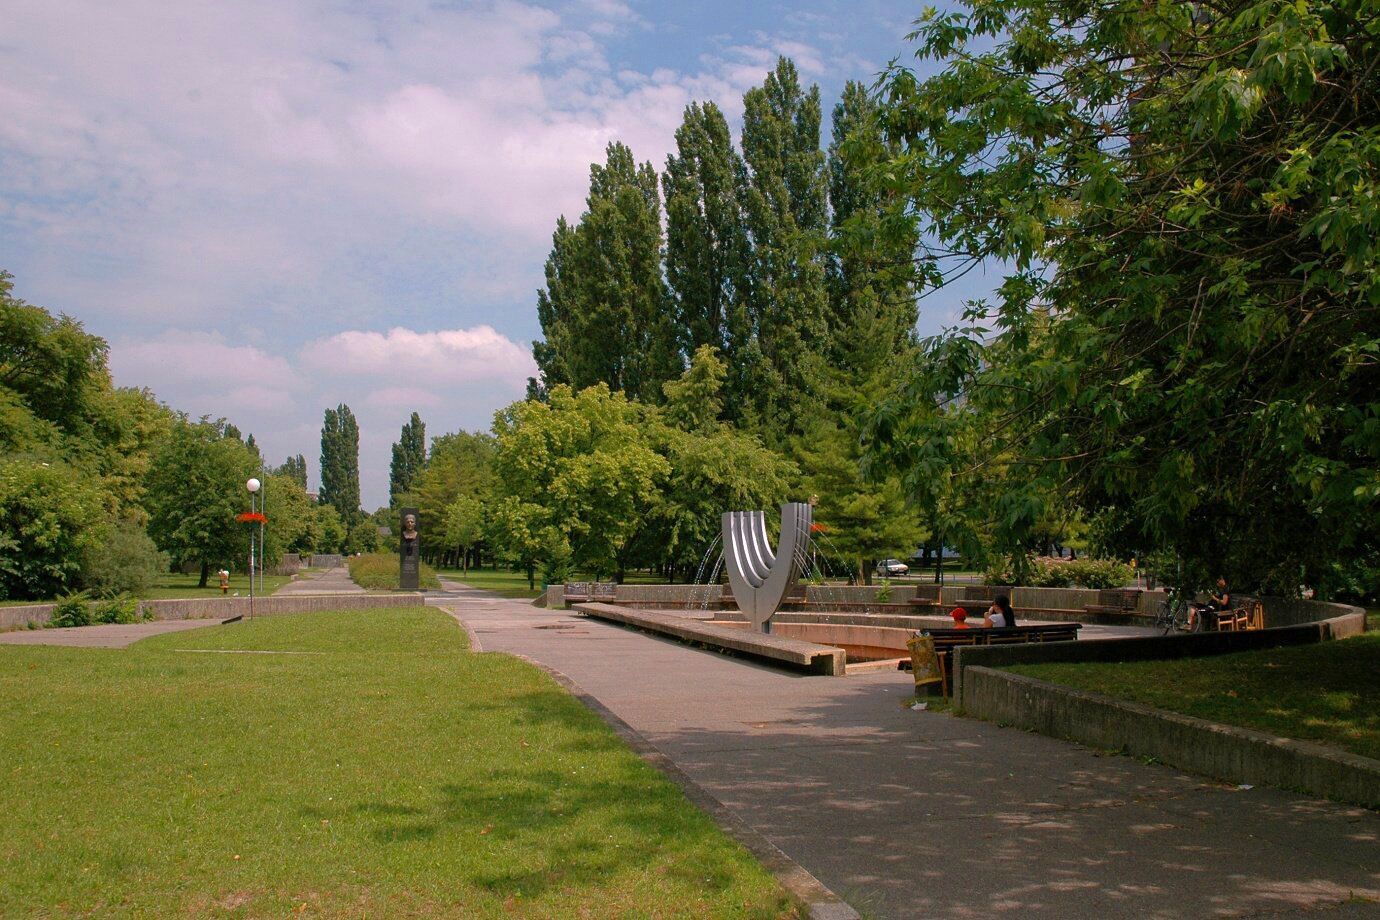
<point x="760" y="578"/>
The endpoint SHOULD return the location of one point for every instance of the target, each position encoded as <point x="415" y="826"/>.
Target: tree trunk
<point x="531" y="578"/>
<point x="864" y="573"/>
<point x="205" y="573"/>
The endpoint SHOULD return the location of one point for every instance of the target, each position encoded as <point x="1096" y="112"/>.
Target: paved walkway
<point x="918" y="814"/>
<point x="105" y="635"/>
<point x="329" y="581"/>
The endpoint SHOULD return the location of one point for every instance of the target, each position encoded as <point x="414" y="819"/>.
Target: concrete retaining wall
<point x="326" y="560"/>
<point x="1148" y="648"/>
<point x="1233" y="754"/>
<point x="224" y="607"/>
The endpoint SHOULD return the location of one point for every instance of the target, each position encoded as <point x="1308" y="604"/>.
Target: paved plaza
<point x="919" y="814"/>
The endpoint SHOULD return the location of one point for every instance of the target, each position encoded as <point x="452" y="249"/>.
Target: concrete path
<point x="919" y="814"/>
<point x="329" y="581"/>
<point x="100" y="636"/>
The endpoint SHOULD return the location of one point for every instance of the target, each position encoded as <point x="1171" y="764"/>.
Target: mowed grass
<point x="379" y="770"/>
<point x="507" y="584"/>
<point x="177" y="585"/>
<point x="1328" y="693"/>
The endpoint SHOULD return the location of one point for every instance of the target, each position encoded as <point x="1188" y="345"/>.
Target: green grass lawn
<point x="177" y="585"/>
<point x="380" y="770"/>
<point x="1328" y="693"/>
<point x="508" y="584"/>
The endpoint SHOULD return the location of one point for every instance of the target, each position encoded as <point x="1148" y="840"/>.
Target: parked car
<point x="892" y="567"/>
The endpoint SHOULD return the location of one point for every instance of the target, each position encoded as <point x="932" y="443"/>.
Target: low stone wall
<point x="1237" y="755"/>
<point x="1147" y="648"/>
<point x="326" y="560"/>
<point x="202" y="608"/>
<point x="1342" y="619"/>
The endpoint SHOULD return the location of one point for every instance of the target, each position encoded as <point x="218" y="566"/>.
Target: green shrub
<point x="884" y="592"/>
<point x="72" y="610"/>
<point x="1053" y="573"/>
<point x="49" y="512"/>
<point x="120" y="609"/>
<point x="126" y="561"/>
<point x="1098" y="573"/>
<point x="379" y="572"/>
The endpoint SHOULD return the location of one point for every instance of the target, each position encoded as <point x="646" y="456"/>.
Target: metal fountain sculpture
<point x="760" y="578"/>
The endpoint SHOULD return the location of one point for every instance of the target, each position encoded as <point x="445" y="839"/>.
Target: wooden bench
<point x="945" y="640"/>
<point x="1120" y="602"/>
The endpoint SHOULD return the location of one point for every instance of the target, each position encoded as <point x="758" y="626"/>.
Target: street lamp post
<point x="253" y="485"/>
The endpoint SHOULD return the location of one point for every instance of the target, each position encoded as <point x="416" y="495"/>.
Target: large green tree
<point x="461" y="465"/>
<point x="196" y="487"/>
<point x="872" y="295"/>
<point x="782" y="341"/>
<point x="711" y="467"/>
<point x="706" y="233"/>
<point x="409" y="456"/>
<point x="294" y="468"/>
<point x="603" y="312"/>
<point x="581" y="467"/>
<point x="1185" y="199"/>
<point x="340" y="463"/>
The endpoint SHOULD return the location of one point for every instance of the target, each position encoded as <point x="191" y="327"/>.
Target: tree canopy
<point x="1185" y="196"/>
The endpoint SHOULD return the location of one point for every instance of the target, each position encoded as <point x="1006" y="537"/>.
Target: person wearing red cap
<point x="960" y="618"/>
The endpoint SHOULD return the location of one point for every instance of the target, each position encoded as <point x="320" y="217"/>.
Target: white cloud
<point x="455" y="378"/>
<point x="221" y="189"/>
<point x="426" y="359"/>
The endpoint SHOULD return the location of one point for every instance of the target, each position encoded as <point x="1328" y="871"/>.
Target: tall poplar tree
<point x="409" y="456"/>
<point x="340" y="463"/>
<point x="554" y="303"/>
<point x="294" y="468"/>
<point x="787" y="218"/>
<point x="706" y="234"/>
<point x="872" y="294"/>
<point x="603" y="312"/>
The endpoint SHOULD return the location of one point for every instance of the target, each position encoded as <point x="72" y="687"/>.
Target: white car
<point x="891" y="567"/>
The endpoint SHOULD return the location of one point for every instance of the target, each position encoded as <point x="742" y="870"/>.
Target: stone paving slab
<point x="919" y="814"/>
<point x="105" y="635"/>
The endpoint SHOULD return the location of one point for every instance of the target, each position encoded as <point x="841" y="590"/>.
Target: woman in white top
<point x="1000" y="615"/>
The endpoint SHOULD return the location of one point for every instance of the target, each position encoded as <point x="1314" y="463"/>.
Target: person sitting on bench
<point x="1000" y="615"/>
<point x="960" y="618"/>
<point x="1219" y="599"/>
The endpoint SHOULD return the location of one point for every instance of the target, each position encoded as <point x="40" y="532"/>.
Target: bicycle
<point x="1176" y="613"/>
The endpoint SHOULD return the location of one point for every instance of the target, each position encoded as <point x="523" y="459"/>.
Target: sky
<point x="268" y="207"/>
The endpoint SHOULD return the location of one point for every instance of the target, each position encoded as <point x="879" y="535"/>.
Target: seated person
<point x="960" y="618"/>
<point x="1201" y="615"/>
<point x="1000" y="615"/>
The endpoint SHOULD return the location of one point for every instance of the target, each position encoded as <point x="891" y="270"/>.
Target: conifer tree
<point x="340" y="463"/>
<point x="409" y="456"/>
